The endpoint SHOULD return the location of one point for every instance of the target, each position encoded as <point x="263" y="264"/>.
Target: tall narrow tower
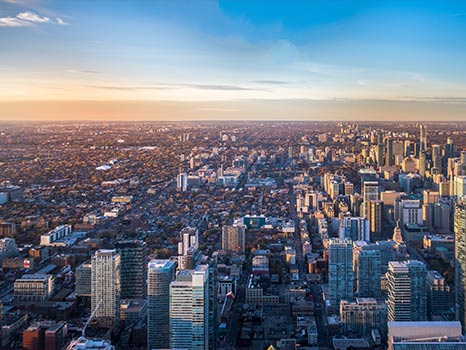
<point x="460" y="260"/>
<point x="105" y="289"/>
<point x="189" y="309"/>
<point x="160" y="274"/>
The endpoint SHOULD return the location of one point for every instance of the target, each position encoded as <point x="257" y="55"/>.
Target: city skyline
<point x="208" y="60"/>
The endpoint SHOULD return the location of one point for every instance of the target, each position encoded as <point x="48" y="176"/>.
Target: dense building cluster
<point x="258" y="235"/>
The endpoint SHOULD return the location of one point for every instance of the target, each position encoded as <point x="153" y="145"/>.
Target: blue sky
<point x="237" y="50"/>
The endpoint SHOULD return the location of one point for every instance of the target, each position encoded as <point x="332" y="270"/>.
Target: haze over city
<point x="182" y="60"/>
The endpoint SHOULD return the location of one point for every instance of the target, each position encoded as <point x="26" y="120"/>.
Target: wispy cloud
<point x="164" y="86"/>
<point x="61" y="22"/>
<point x="27" y="19"/>
<point x="217" y="87"/>
<point x="128" y="87"/>
<point x="32" y="17"/>
<point x="86" y="71"/>
<point x="271" y="82"/>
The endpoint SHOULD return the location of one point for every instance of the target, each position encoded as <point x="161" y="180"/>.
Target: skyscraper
<point x="407" y="299"/>
<point x="189" y="312"/>
<point x="375" y="216"/>
<point x="368" y="274"/>
<point x="423" y="138"/>
<point x="460" y="260"/>
<point x="160" y="274"/>
<point x="340" y="270"/>
<point x="389" y="154"/>
<point x="188" y="248"/>
<point x="182" y="182"/>
<point x="233" y="238"/>
<point x="105" y="290"/>
<point x="133" y="268"/>
<point x="422" y="164"/>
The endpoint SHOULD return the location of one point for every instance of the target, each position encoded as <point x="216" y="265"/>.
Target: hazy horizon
<point x="232" y="60"/>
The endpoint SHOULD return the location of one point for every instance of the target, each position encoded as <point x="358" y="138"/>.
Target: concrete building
<point x="33" y="288"/>
<point x="188" y="248"/>
<point x="189" y="309"/>
<point x="160" y="274"/>
<point x="362" y="316"/>
<point x="407" y="299"/>
<point x="234" y="237"/>
<point x="105" y="290"/>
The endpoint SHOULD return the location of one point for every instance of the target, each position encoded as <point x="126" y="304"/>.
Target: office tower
<point x="438" y="294"/>
<point x="83" y="279"/>
<point x="290" y="152"/>
<point x="379" y="154"/>
<point x="375" y="215"/>
<point x="105" y="289"/>
<point x="340" y="270"/>
<point x="354" y="228"/>
<point x="362" y="316"/>
<point x="422" y="164"/>
<point x="182" y="182"/>
<point x="407" y="300"/>
<point x="368" y="274"/>
<point x="133" y="268"/>
<point x="189" y="321"/>
<point x="160" y="273"/>
<point x="389" y="154"/>
<point x="423" y="139"/>
<point x="188" y="248"/>
<point x="460" y="260"/>
<point x="450" y="148"/>
<point x="233" y="238"/>
<point x="370" y="191"/>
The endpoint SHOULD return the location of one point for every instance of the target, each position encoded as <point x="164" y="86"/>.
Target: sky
<point x="232" y="59"/>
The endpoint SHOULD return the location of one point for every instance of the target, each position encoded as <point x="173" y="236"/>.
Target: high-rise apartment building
<point x="368" y="274"/>
<point x="105" y="289"/>
<point x="423" y="138"/>
<point x="160" y="274"/>
<point x="340" y="267"/>
<point x="233" y="238"/>
<point x="407" y="299"/>
<point x="460" y="260"/>
<point x="188" y="248"/>
<point x="133" y="268"/>
<point x="189" y="312"/>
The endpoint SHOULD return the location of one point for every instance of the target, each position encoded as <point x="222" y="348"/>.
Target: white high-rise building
<point x="105" y="290"/>
<point x="407" y="297"/>
<point x="189" y="309"/>
<point x="188" y="248"/>
<point x="182" y="182"/>
<point x="460" y="186"/>
<point x="160" y="274"/>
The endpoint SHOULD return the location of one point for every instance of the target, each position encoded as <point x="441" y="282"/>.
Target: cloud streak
<point x="166" y="86"/>
<point x="28" y="19"/>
